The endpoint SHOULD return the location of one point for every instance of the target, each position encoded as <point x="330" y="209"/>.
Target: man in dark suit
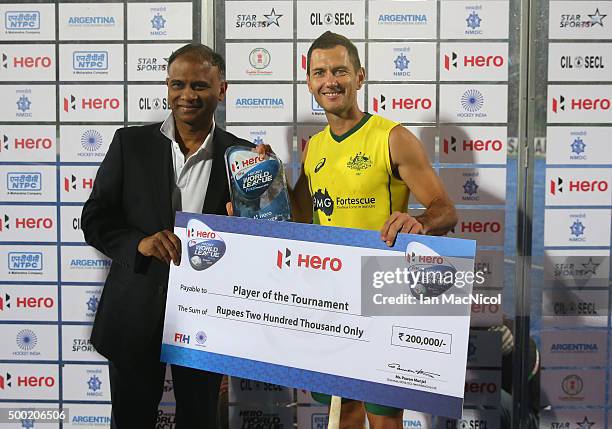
<point x="148" y="174"/>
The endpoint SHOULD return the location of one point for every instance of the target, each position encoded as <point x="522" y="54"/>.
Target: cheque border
<point x="459" y="248"/>
<point x="432" y="403"/>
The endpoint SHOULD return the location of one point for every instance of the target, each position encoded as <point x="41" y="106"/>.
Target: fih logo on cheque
<point x="205" y="246"/>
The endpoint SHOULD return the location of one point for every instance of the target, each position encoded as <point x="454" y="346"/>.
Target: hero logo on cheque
<point x="205" y="246"/>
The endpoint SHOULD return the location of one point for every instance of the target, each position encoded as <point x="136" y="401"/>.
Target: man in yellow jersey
<point x="358" y="173"/>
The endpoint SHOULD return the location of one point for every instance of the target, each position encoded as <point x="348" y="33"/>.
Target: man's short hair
<point x="329" y="40"/>
<point x="202" y="51"/>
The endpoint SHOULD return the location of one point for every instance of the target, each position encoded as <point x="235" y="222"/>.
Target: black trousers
<point x="136" y="393"/>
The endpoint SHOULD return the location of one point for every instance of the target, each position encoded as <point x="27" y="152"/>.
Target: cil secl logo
<point x="205" y="246"/>
<point x="285" y="259"/>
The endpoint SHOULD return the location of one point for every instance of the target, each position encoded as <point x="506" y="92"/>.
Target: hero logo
<point x="559" y="104"/>
<point x="196" y="233"/>
<point x="557" y="186"/>
<point x="238" y="165"/>
<point x="380" y="103"/>
<point x="25" y="223"/>
<point x="7" y="301"/>
<point x="39" y="143"/>
<point x="72" y="183"/>
<point x="478" y="227"/>
<point x="475" y="387"/>
<point x="313" y="262"/>
<point x="70" y="103"/>
<point x="472" y="145"/>
<point x="41" y="62"/>
<point x="7" y="381"/>
<point x="472" y="61"/>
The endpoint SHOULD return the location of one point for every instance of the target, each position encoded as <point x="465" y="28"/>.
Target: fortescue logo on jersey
<point x="22" y="20"/>
<point x="322" y="201"/>
<point x="24" y="182"/>
<point x="253" y="21"/>
<point x="338" y="18"/>
<point x="90" y="60"/>
<point x="580" y="21"/>
<point x="25" y="261"/>
<point x="402" y="19"/>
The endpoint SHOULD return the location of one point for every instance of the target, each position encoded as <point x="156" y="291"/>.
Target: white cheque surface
<point x="281" y="302"/>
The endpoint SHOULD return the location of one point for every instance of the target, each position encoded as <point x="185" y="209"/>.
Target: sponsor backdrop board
<point x="71" y="73"/>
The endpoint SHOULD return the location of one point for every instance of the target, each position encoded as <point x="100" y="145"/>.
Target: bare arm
<point x="409" y="160"/>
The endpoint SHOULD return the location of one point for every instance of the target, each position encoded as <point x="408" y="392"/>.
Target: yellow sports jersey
<point x="350" y="176"/>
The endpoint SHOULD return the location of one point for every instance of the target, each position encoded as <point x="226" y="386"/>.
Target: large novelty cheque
<point x="308" y="306"/>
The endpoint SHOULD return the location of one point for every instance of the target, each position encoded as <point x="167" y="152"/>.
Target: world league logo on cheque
<point x="205" y="247"/>
<point x="257" y="185"/>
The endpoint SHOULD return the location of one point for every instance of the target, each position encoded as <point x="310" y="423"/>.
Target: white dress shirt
<point x="191" y="175"/>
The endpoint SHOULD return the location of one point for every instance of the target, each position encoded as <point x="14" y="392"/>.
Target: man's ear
<point x="361" y="76"/>
<point x="222" y="90"/>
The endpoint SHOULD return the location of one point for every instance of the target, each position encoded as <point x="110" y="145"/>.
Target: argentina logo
<point x="205" y="246"/>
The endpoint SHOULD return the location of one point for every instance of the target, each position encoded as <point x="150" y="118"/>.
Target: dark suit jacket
<point x="131" y="199"/>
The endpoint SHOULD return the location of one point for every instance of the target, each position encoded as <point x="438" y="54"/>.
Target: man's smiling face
<point x="333" y="80"/>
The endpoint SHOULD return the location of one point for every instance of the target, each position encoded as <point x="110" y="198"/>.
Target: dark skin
<point x="195" y="87"/>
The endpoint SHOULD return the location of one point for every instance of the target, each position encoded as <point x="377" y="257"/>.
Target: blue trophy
<point x="258" y="188"/>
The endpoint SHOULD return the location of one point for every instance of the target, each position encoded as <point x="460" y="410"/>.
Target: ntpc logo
<point x="558" y="104"/>
<point x="472" y="61"/>
<point x="22" y="20"/>
<point x="557" y="186"/>
<point x="313" y="262"/>
<point x="181" y="338"/>
<point x="70" y="103"/>
<point x="401" y="103"/>
<point x="72" y="183"/>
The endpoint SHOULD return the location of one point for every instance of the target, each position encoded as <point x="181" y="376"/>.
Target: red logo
<point x="72" y="183"/>
<point x="96" y="103"/>
<point x="401" y="103"/>
<point x="472" y="145"/>
<point x="5" y="381"/>
<point x="478" y="227"/>
<point x="313" y="262"/>
<point x="473" y="61"/>
<point x="599" y="104"/>
<point x="556" y="186"/>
